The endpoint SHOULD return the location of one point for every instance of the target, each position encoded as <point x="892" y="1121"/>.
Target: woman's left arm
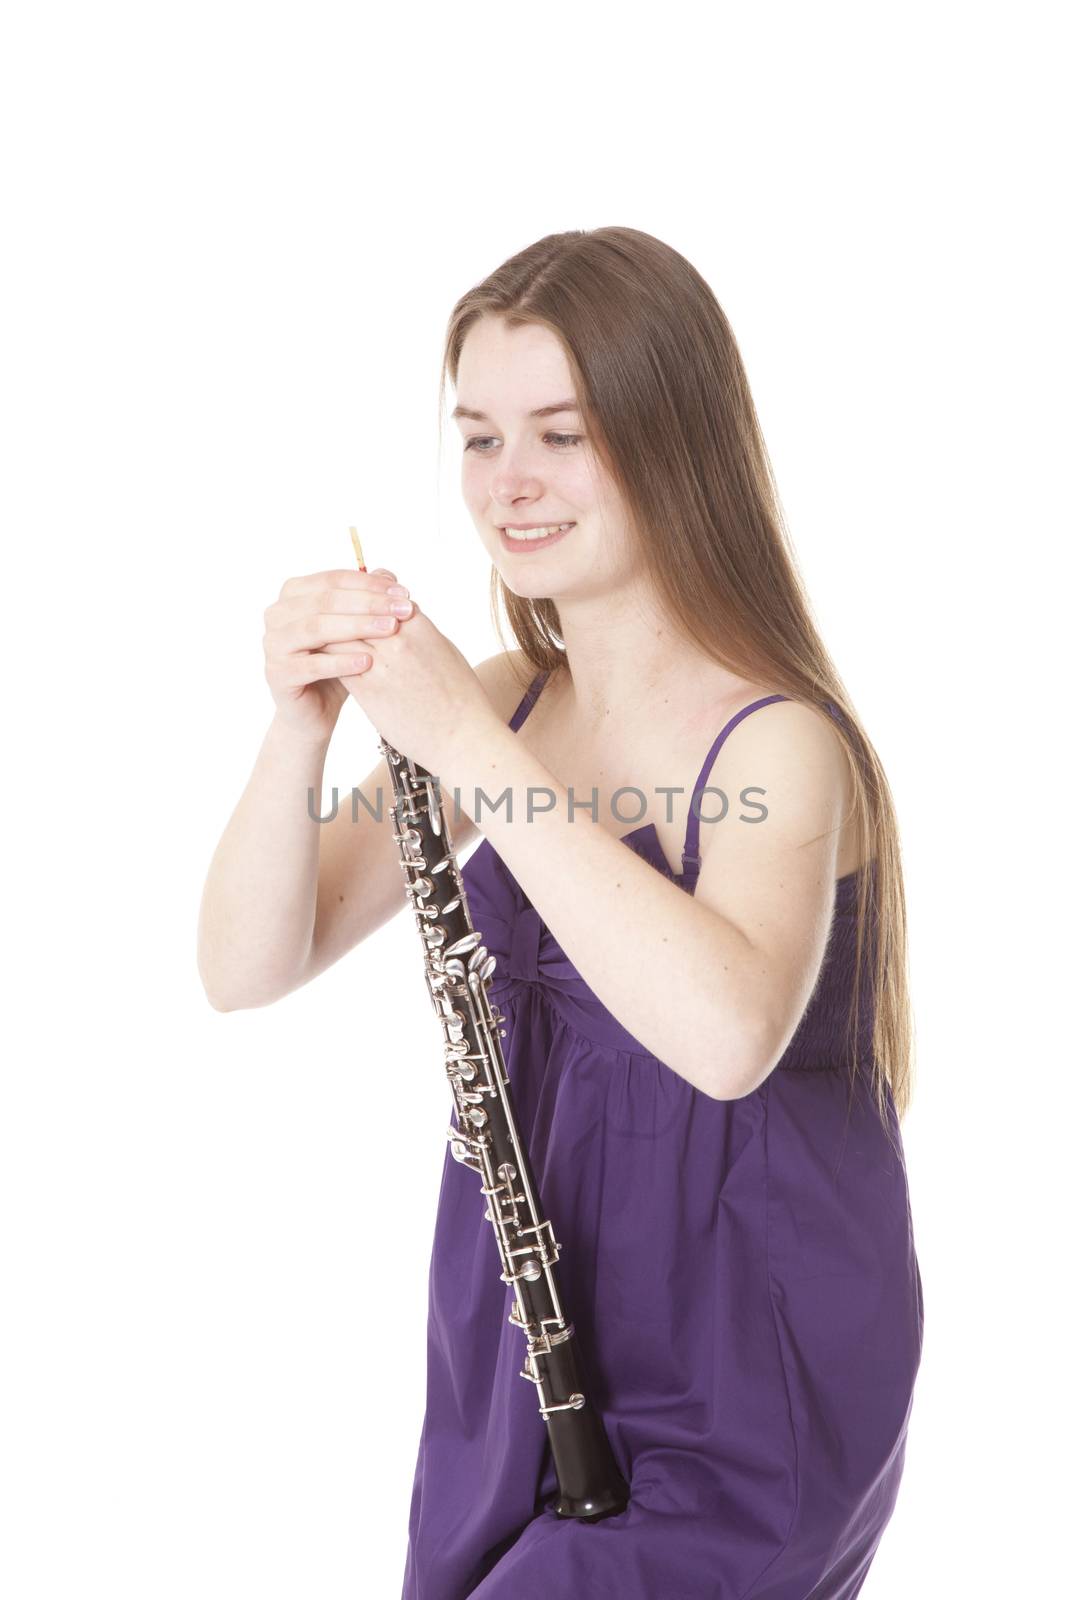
<point x="712" y="984"/>
<point x="715" y="983"/>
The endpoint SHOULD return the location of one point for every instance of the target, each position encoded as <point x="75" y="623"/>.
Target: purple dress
<point x="742" y="1280"/>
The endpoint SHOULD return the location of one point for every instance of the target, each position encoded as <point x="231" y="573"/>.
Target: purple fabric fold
<point x="743" y="1280"/>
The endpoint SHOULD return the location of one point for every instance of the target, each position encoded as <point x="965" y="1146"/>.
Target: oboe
<point x="458" y="970"/>
<point x="458" y="975"/>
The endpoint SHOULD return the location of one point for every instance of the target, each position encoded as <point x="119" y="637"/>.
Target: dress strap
<point x="691" y="853"/>
<point x="526" y="704"/>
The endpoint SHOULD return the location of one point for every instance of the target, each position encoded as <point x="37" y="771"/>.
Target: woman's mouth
<point x="523" y="540"/>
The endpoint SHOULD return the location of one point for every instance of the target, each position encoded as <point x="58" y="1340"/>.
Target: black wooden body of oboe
<point x="458" y="974"/>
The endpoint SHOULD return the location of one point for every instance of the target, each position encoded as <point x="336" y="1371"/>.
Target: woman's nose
<point x="513" y="473"/>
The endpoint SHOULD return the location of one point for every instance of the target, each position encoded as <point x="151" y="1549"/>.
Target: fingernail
<point x="396" y="588"/>
<point x="400" y="608"/>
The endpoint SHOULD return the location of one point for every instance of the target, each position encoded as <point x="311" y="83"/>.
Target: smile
<point x="529" y="538"/>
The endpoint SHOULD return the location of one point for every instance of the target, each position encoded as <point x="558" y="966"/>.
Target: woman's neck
<point x="627" y="666"/>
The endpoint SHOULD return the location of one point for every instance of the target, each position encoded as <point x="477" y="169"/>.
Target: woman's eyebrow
<point x="542" y="411"/>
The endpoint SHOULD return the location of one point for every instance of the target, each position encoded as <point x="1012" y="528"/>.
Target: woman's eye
<point x="559" y="441"/>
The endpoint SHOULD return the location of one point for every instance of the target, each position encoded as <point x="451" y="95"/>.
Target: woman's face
<point x="527" y="471"/>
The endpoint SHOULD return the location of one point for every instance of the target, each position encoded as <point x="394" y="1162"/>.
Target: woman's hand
<point x="421" y="694"/>
<point x="315" y="643"/>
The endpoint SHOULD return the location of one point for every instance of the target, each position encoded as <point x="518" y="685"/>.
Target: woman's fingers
<point x="338" y="598"/>
<point x="343" y="644"/>
<point x="320" y="624"/>
<point x="336" y="578"/>
<point x="316" y="631"/>
<point x="298" y="670"/>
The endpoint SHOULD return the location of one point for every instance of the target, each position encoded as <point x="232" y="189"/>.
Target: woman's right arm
<point x="286" y="896"/>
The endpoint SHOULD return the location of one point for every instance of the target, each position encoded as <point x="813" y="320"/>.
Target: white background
<point x="234" y="235"/>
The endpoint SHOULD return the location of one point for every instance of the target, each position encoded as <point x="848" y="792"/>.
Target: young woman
<point x="703" y="980"/>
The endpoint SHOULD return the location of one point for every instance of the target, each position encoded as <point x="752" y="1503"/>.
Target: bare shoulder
<point x="505" y="677"/>
<point x="783" y="769"/>
<point x="787" y="758"/>
<point x="789" y="728"/>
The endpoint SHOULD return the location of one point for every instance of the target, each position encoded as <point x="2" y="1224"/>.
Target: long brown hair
<point x="663" y="391"/>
